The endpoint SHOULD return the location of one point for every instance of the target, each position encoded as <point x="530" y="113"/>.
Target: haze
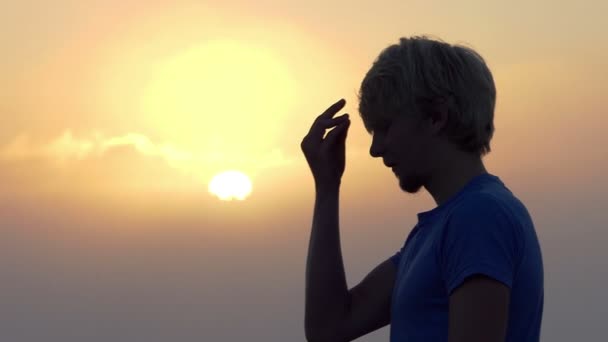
<point x="112" y="129"/>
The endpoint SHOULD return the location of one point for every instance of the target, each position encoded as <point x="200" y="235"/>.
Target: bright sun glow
<point x="230" y="185"/>
<point x="223" y="99"/>
<point x="218" y="104"/>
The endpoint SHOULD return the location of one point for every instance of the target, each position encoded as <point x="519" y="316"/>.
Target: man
<point x="471" y="270"/>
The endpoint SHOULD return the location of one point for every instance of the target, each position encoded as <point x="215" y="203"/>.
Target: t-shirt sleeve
<point x="397" y="257"/>
<point x="479" y="238"/>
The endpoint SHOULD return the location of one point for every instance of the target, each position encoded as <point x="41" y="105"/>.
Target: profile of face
<point x="406" y="145"/>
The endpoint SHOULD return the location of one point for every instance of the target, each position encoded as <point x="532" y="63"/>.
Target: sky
<point x="116" y="115"/>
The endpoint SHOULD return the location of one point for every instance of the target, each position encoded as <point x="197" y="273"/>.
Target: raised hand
<point x="326" y="156"/>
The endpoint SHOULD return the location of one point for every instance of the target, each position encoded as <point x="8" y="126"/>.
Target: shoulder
<point x="479" y="205"/>
<point x="485" y="216"/>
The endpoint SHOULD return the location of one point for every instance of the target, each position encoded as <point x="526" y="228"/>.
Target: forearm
<point x="326" y="288"/>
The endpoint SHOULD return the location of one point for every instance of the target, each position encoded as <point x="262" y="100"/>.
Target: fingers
<point x="339" y="132"/>
<point x="318" y="129"/>
<point x="332" y="110"/>
<point x="326" y="120"/>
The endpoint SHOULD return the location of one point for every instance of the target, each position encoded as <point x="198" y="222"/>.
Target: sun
<point x="219" y="94"/>
<point x="230" y="185"/>
<point x="224" y="100"/>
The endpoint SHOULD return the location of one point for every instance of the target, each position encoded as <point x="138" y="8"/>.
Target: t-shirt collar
<point x="427" y="215"/>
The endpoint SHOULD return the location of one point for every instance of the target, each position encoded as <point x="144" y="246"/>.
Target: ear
<point x="438" y="115"/>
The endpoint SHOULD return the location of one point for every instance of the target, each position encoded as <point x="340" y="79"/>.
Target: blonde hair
<point x="408" y="76"/>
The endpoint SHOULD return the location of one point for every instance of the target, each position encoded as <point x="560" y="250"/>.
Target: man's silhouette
<point x="471" y="269"/>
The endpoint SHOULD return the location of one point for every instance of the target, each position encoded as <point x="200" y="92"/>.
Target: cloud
<point x="67" y="148"/>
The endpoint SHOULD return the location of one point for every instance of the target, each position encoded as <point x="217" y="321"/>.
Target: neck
<point x="453" y="174"/>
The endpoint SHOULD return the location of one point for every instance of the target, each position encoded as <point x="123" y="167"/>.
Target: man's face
<point x="404" y="145"/>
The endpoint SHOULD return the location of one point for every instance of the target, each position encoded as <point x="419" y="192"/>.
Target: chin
<point x="410" y="184"/>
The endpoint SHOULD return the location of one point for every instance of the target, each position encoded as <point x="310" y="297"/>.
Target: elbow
<point x="324" y="327"/>
<point x="322" y="338"/>
<point x="313" y="332"/>
<point x="317" y="334"/>
<point x="312" y="336"/>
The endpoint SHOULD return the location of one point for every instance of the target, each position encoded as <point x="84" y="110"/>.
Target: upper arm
<point x="370" y="302"/>
<point x="479" y="310"/>
<point x="480" y="250"/>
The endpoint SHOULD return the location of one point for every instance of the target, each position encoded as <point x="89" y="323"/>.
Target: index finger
<point x="332" y="110"/>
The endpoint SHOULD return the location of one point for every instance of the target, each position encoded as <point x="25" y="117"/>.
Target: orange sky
<point x="116" y="117"/>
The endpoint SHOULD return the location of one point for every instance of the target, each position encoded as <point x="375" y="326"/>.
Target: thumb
<point x="338" y="132"/>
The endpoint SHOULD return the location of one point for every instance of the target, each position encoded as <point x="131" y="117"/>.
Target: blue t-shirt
<point x="483" y="229"/>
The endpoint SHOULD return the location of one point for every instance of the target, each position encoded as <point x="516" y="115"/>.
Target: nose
<point x="377" y="148"/>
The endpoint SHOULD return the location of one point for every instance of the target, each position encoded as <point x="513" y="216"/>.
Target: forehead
<point x="378" y="118"/>
<point x="404" y="120"/>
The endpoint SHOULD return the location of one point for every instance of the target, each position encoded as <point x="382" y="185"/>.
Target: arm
<point x="481" y="248"/>
<point x="479" y="311"/>
<point x="333" y="313"/>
